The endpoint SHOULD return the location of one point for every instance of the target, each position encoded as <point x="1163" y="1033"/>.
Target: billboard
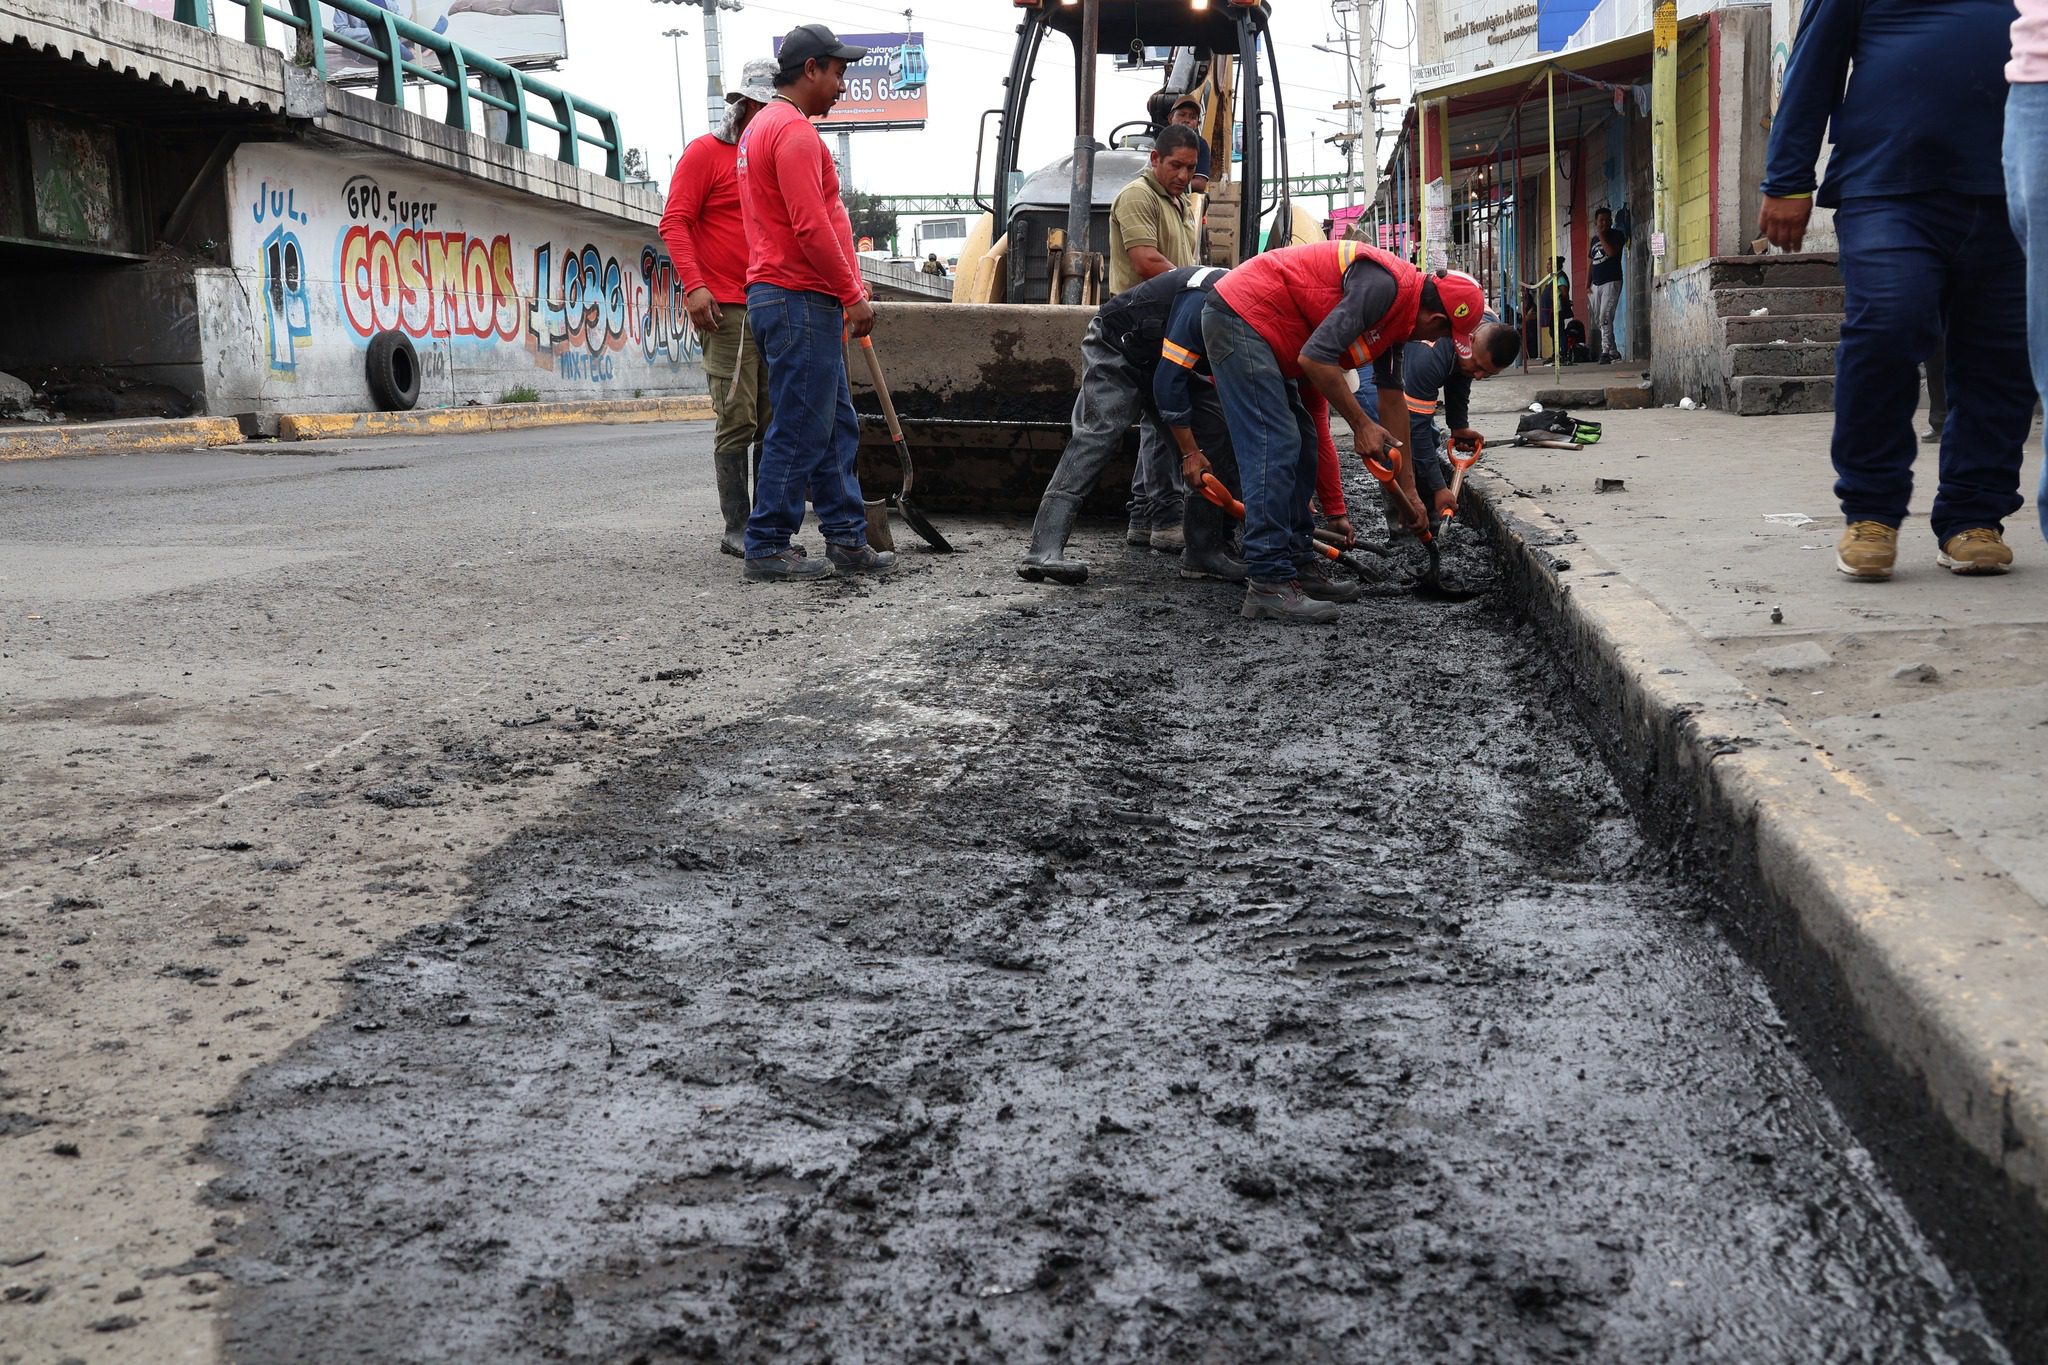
<point x="515" y="32"/>
<point x="886" y="88"/>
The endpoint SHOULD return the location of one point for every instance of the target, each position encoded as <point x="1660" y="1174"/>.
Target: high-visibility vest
<point x="1285" y="295"/>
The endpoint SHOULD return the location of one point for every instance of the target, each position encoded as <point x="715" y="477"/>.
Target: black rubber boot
<point x="1047" y="557"/>
<point x="733" y="503"/>
<point x="1211" y="534"/>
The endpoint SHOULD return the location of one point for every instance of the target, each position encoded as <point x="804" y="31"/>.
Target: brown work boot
<point x="1867" y="549"/>
<point x="1977" y="550"/>
<point x="1271" y="600"/>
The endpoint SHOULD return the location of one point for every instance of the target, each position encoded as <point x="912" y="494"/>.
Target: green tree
<point x="870" y="219"/>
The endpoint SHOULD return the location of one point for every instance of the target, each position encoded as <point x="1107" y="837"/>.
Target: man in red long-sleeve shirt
<point x="804" y="293"/>
<point x="706" y="235"/>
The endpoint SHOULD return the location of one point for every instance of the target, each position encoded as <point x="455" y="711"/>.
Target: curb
<point x="1904" y="963"/>
<point x="138" y="437"/>
<point x="324" y="426"/>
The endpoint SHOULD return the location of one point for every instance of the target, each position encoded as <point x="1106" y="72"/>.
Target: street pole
<point x="714" y="60"/>
<point x="1368" y="117"/>
<point x="1663" y="131"/>
<point x="714" y="57"/>
<point x="1081" y="197"/>
<point x="675" y="37"/>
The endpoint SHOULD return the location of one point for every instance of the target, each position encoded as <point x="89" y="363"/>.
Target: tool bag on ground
<point x="1560" y="426"/>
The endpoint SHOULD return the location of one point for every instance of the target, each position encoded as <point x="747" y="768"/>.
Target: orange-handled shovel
<point x="1214" y="491"/>
<point x="1461" y="460"/>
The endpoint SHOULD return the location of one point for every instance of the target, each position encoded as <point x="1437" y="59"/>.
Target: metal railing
<point x="1298" y="187"/>
<point x="498" y="87"/>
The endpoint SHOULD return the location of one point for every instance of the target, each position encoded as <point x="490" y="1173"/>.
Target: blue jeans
<point x="1275" y="442"/>
<point x="1909" y="263"/>
<point x="2026" y="198"/>
<point x="814" y="436"/>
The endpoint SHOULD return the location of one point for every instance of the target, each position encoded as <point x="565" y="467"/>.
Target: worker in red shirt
<point x="1312" y="312"/>
<point x="707" y="241"/>
<point x="804" y="295"/>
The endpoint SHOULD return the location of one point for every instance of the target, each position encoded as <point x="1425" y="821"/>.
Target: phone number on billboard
<point x="866" y="88"/>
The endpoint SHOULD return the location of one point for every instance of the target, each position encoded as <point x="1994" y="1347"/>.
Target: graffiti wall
<point x="500" y="293"/>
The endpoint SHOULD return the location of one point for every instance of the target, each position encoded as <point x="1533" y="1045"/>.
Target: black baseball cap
<point x="807" y="41"/>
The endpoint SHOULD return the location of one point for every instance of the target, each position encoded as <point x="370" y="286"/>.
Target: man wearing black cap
<point x="804" y="293"/>
<point x="1187" y="112"/>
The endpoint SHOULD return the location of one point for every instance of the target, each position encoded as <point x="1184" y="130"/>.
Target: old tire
<point x="394" y="370"/>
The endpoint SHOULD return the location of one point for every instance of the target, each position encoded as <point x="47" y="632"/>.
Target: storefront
<point x="1500" y="173"/>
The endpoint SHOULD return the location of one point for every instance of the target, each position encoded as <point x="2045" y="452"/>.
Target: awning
<point x="1482" y="105"/>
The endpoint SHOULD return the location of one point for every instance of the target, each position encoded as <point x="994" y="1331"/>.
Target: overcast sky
<point x="617" y="57"/>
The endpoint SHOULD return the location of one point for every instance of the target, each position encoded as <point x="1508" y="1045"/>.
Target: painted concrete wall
<point x="497" y="290"/>
<point x="1687" y="359"/>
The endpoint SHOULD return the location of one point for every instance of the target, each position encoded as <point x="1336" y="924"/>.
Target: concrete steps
<point x="1752" y="335"/>
<point x="1782" y="358"/>
<point x="1764" y="395"/>
<point x="1811" y="270"/>
<point x="1779" y="299"/>
<point x="1787" y="327"/>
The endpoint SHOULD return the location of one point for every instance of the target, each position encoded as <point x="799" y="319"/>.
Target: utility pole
<point x="714" y="54"/>
<point x="675" y="37"/>
<point x="1368" y="113"/>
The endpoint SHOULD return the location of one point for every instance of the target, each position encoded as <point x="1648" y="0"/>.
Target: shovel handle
<point x="1214" y="491"/>
<point x="1461" y="461"/>
<point x="867" y="351"/>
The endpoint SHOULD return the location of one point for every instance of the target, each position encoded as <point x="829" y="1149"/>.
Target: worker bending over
<point x="1312" y="312"/>
<point x="1184" y="391"/>
<point x="1433" y="370"/>
<point x="1119" y="353"/>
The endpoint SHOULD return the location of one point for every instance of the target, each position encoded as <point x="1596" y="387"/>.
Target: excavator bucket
<point x="985" y="393"/>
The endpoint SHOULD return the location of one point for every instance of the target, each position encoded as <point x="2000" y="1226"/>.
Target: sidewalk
<point x="1858" y="765"/>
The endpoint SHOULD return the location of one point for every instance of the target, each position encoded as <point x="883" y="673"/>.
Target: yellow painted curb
<point x="324" y="426"/>
<point x="138" y="437"/>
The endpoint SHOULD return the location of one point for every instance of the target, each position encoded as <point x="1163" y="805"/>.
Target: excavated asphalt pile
<point x="1104" y="980"/>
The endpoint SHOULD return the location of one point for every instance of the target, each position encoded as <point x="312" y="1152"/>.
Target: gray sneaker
<point x="1168" y="539"/>
<point x="1270" y="601"/>
<point x="1141" y="536"/>
<point x="860" y="559"/>
<point x="789" y="562"/>
<point x="1318" y="582"/>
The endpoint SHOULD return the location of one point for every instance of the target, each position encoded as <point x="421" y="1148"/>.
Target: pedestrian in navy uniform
<point x="1921" y="216"/>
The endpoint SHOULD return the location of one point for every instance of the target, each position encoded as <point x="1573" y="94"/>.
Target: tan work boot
<point x="1977" y="550"/>
<point x="1867" y="549"/>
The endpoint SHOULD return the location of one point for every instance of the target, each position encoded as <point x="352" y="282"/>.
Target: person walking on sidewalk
<point x="1151" y="231"/>
<point x="1312" y="312"/>
<point x="1603" y="282"/>
<point x="706" y="235"/>
<point x="1120" y="355"/>
<point x="2026" y="186"/>
<point x="804" y="297"/>
<point x="1922" y="218"/>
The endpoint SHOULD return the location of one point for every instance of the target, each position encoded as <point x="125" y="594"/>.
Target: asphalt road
<point x="449" y="916"/>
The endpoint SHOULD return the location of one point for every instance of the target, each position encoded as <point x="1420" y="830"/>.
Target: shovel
<point x="1461" y="461"/>
<point x="1214" y="491"/>
<point x="928" y="532"/>
<point x="1431" y="585"/>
